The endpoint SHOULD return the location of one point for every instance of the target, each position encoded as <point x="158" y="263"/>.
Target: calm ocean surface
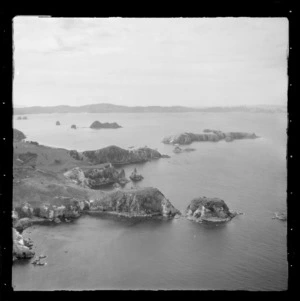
<point x="248" y="253"/>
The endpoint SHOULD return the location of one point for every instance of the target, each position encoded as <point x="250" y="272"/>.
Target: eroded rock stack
<point x="135" y="177"/>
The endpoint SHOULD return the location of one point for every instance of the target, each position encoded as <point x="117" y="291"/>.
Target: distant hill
<point x="110" y="108"/>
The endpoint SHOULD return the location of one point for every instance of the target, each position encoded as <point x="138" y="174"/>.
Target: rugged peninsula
<point x="18" y="135"/>
<point x="119" y="156"/>
<point x="207" y="135"/>
<point x="142" y="202"/>
<point x="54" y="185"/>
<point x="209" y="210"/>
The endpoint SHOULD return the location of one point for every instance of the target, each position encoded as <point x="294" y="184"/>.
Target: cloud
<point x="60" y="55"/>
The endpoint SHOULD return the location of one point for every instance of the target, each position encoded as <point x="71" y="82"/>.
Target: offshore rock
<point x="73" y="126"/>
<point x="209" y="210"/>
<point x="280" y="215"/>
<point x="57" y="123"/>
<point x="142" y="202"/>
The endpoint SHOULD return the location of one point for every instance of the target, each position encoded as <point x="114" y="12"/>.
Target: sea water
<point x="108" y="252"/>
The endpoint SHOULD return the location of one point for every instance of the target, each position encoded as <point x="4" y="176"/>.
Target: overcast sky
<point x="176" y="61"/>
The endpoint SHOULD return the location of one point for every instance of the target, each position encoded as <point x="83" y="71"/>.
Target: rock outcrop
<point x="22" y="223"/>
<point x="142" y="202"/>
<point x="135" y="177"/>
<point x="96" y="178"/>
<point x="118" y="156"/>
<point x="177" y="150"/>
<point x="77" y="176"/>
<point x="209" y="210"/>
<point x="75" y="155"/>
<point x="61" y="209"/>
<point x="27" y="159"/>
<point x="108" y="175"/>
<point x="280" y="215"/>
<point x="106" y="125"/>
<point x="207" y="135"/>
<point x="18" y="135"/>
<point x="21" y="247"/>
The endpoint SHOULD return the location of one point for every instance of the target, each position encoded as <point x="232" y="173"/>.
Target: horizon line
<point x="145" y="106"/>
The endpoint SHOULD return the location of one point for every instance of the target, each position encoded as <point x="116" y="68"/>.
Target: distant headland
<point x="111" y="108"/>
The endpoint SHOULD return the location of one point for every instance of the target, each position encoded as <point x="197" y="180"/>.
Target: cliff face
<point x="117" y="155"/>
<point x="21" y="249"/>
<point x="209" y="210"/>
<point x="140" y="202"/>
<point x="135" y="202"/>
<point x="207" y="135"/>
<point x="59" y="209"/>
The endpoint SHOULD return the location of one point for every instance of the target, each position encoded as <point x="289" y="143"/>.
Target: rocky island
<point x="106" y="125"/>
<point x="207" y="135"/>
<point x="209" y="210"/>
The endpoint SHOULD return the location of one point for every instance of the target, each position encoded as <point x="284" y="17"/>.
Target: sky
<point x="147" y="61"/>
